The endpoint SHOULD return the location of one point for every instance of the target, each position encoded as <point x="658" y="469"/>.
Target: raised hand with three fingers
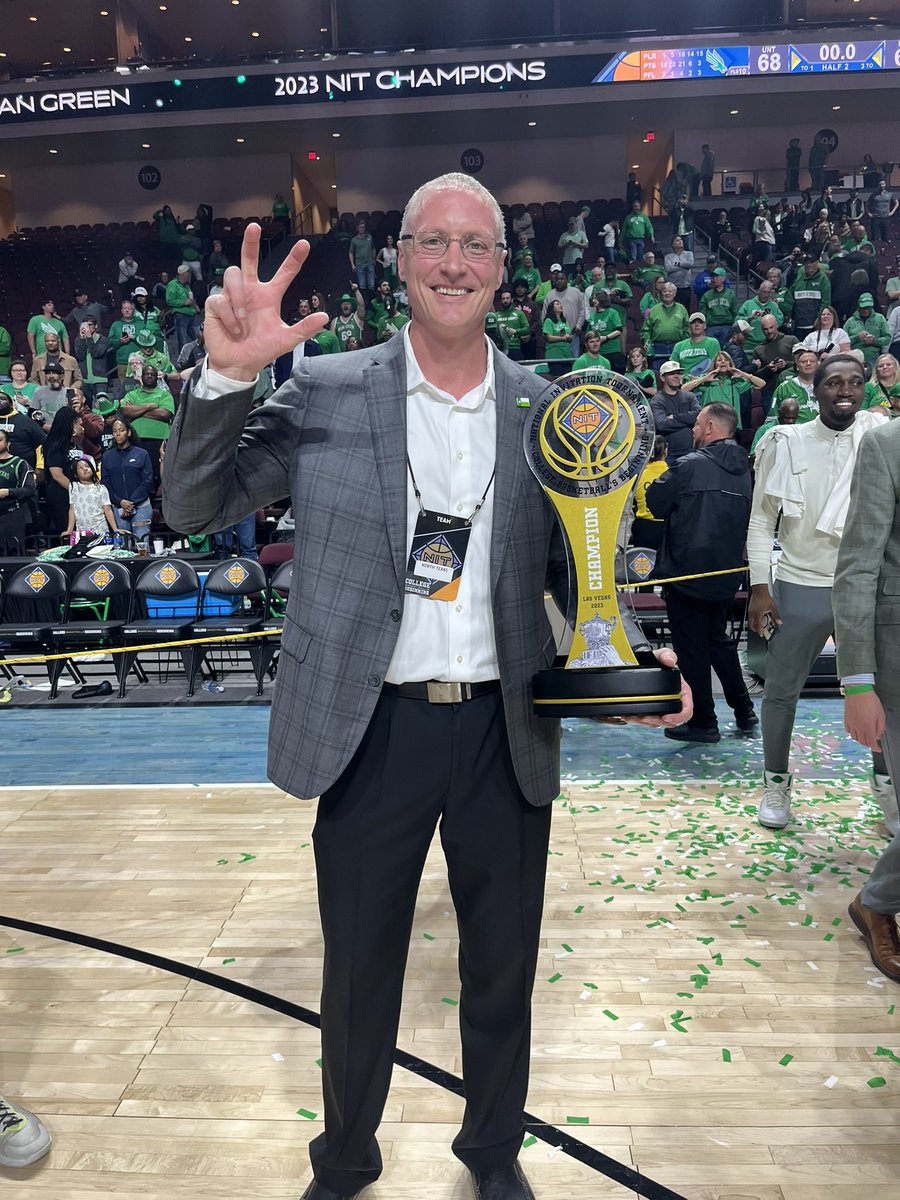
<point x="243" y="329"/>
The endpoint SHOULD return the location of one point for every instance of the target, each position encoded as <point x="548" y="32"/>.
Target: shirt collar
<point x="416" y="383"/>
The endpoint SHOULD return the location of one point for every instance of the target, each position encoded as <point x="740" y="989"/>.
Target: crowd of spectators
<point x="637" y="296"/>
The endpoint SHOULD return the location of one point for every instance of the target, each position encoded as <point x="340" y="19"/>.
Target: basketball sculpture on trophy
<point x="588" y="440"/>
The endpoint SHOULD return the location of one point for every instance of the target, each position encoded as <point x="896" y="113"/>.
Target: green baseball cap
<point x="866" y="300"/>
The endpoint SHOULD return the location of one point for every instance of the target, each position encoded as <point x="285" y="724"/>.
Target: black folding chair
<point x="165" y="603"/>
<point x="276" y="607"/>
<point x="30" y="605"/>
<point x="93" y="614"/>
<point x="239" y="579"/>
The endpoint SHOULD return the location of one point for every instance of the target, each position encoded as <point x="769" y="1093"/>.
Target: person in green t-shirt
<point x="390" y="324"/>
<point x="637" y="368"/>
<point x="606" y="320"/>
<point x="648" y="270"/>
<point x="46" y="322"/>
<point x="592" y="356"/>
<point x="349" y="323"/>
<point x="376" y="309"/>
<point x="799" y="386"/>
<point x="181" y="303"/>
<point x="557" y="332"/>
<point x="695" y="353"/>
<point x="123" y="338"/>
<point x="529" y="272"/>
<point x="19" y="387"/>
<point x="5" y="350"/>
<point x="787" y="415"/>
<point x="724" y="383"/>
<point x="883" y="388"/>
<point x="156" y="358"/>
<point x="281" y="209"/>
<point x="719" y="305"/>
<point x="868" y="330"/>
<point x="665" y="324"/>
<point x="753" y="311"/>
<point x="151" y="410"/>
<point x="636" y="230"/>
<point x="514" y="321"/>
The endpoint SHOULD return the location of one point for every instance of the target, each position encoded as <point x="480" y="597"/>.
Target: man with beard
<point x="803" y="477"/>
<point x="515" y="323"/>
<point x="70" y="367"/>
<point x="150" y="409"/>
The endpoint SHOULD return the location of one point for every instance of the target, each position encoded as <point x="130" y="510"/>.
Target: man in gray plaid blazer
<point x="403" y="690"/>
<point x="866" y="601"/>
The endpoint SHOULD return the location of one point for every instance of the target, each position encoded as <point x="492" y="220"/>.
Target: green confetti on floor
<point x="578" y="1120"/>
<point x="881" y="1052"/>
<point x="447" y="1000"/>
<point x="555" y="978"/>
<point x="726" y="1056"/>
<point x="827" y="937"/>
<point x="787" y="1058"/>
<point x="304" y="1112"/>
<point x="580" y="908"/>
<point x="226" y="961"/>
<point x="16" y="950"/>
<point x="429" y="937"/>
<point x="752" y="962"/>
<point x="221" y="862"/>
<point x="876" y="1082"/>
<point x="612" y="1016"/>
<point x="807" y="920"/>
<point x="319" y="1063"/>
<point x="890" y="1011"/>
<point x="836" y="921"/>
<point x="592" y="986"/>
<point x="568" y="949"/>
<point x="529" y="1141"/>
<point x="246" y="857"/>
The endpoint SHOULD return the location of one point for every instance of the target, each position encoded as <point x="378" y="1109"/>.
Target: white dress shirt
<point x="452" y="446"/>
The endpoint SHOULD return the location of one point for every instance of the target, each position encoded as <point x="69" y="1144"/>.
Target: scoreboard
<point x="711" y="62"/>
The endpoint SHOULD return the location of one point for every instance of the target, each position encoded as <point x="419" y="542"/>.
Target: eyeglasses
<point x="435" y="244"/>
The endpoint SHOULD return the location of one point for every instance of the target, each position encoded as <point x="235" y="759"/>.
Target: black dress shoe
<point x="501" y="1183"/>
<point x="318" y="1191"/>
<point x="690" y="733"/>
<point x="748" y="724"/>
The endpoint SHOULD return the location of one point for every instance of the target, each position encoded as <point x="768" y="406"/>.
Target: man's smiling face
<point x="451" y="293"/>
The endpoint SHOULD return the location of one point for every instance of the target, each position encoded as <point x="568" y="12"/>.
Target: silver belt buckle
<point x="447" y="693"/>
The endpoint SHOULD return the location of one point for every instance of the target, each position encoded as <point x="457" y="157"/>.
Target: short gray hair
<point x="453" y="181"/>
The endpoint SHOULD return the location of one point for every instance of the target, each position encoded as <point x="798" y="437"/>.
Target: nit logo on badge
<point x="641" y="566"/>
<point x="438" y="552"/>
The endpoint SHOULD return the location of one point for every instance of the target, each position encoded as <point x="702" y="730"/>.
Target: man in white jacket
<point x="803" y="476"/>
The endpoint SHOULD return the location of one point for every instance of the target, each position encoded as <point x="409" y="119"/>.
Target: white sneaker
<point x="774" y="810"/>
<point x="23" y="1136"/>
<point x="883" y="791"/>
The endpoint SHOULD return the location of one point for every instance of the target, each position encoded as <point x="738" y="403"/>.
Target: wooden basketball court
<point x="705" y="1014"/>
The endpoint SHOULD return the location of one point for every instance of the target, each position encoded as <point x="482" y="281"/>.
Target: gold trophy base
<point x="649" y="689"/>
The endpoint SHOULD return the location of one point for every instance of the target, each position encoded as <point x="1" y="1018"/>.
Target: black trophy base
<point x="648" y="689"/>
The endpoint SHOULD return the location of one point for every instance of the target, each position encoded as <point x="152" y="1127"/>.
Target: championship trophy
<point x="588" y="440"/>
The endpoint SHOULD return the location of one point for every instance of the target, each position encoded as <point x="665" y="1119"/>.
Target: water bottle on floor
<point x="212" y="686"/>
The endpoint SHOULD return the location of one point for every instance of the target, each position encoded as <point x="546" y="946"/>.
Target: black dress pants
<point x="419" y="766"/>
<point x="700" y="640"/>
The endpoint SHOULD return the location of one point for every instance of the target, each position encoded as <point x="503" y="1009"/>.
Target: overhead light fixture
<point x="531" y="124"/>
<point x="145" y="145"/>
<point x="54" y="152"/>
<point x="2" y="176"/>
<point x="254" y="34"/>
<point x="734" y="111"/>
<point x="335" y="135"/>
<point x="334" y="187"/>
<point x="104" y="12"/>
<point x="188" y="39"/>
<point x="67" y="49"/>
<point x="32" y="18"/>
<point x="635" y="166"/>
<point x="240" y="141"/>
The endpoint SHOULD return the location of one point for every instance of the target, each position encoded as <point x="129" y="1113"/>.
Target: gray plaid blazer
<point x="866" y="594"/>
<point x="334" y="438"/>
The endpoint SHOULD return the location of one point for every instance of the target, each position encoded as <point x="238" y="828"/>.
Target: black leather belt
<point x="436" y="692"/>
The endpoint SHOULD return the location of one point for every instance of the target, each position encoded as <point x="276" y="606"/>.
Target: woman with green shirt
<point x="557" y="333"/>
<point x="168" y="225"/>
<point x="723" y="383"/>
<point x="883" y="388"/>
<point x="652" y="296"/>
<point x="19" y="387"/>
<point x="637" y="368"/>
<point x="606" y="320"/>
